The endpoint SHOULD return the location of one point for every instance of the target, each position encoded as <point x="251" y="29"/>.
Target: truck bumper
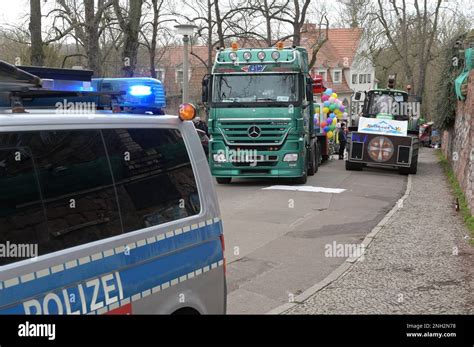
<point x="257" y="173"/>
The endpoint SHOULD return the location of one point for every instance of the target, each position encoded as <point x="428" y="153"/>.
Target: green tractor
<point x="387" y="134"/>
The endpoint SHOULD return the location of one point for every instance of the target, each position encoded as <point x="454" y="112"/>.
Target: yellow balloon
<point x="334" y="95"/>
<point x="330" y="134"/>
<point x="334" y="121"/>
<point x="326" y="110"/>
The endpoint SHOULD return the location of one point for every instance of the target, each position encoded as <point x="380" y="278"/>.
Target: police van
<point x="103" y="212"/>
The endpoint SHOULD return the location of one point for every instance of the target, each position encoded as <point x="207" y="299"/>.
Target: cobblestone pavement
<point x="411" y="267"/>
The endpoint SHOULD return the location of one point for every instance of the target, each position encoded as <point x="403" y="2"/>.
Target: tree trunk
<point x="37" y="53"/>
<point x="220" y="31"/>
<point x="131" y="32"/>
<point x="91" y="43"/>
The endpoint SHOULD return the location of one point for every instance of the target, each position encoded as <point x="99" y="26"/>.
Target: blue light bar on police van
<point x="140" y="90"/>
<point x="142" y="93"/>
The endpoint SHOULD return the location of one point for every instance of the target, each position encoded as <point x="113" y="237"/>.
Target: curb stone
<point x="346" y="266"/>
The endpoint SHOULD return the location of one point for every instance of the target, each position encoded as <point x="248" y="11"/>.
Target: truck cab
<point x="260" y="117"/>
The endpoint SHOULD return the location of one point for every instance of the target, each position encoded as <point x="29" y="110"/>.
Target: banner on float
<point x="383" y="126"/>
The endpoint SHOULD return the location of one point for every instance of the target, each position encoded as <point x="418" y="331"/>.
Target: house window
<point x="160" y="74"/>
<point x="180" y="75"/>
<point x="362" y="78"/>
<point x="336" y="77"/>
<point x="369" y="78"/>
<point x="354" y="78"/>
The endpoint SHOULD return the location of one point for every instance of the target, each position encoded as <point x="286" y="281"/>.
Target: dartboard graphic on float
<point x="380" y="149"/>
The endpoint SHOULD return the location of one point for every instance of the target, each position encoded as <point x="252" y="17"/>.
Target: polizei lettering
<point x="81" y="299"/>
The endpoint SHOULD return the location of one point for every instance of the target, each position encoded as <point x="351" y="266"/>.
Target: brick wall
<point x="458" y="144"/>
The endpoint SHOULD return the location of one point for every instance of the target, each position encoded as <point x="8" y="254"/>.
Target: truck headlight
<point x="290" y="157"/>
<point x="219" y="158"/>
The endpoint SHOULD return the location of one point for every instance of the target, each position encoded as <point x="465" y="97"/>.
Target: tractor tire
<point x="350" y="166"/>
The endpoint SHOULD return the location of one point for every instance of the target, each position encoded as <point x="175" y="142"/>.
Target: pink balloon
<point x="331" y="100"/>
<point x="325" y="97"/>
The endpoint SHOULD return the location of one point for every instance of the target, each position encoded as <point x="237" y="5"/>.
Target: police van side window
<point x="21" y="212"/>
<point x="153" y="176"/>
<point x="77" y="186"/>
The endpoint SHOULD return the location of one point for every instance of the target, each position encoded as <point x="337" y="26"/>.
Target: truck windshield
<point x="256" y="88"/>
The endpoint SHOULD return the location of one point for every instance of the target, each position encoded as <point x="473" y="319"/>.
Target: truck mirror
<point x="309" y="89"/>
<point x="205" y="88"/>
<point x="357" y="96"/>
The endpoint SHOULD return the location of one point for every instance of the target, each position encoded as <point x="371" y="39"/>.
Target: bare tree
<point x="354" y="12"/>
<point x="37" y="53"/>
<point x="86" y="27"/>
<point x="295" y="15"/>
<point x="130" y="25"/>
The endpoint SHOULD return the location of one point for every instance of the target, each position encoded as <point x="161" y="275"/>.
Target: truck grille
<point x="254" y="132"/>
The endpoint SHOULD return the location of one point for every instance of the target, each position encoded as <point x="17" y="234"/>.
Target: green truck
<point x="388" y="132"/>
<point x="260" y="115"/>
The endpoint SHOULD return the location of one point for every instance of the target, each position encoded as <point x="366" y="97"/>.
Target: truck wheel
<point x="223" y="180"/>
<point x="410" y="170"/>
<point x="350" y="166"/>
<point x="313" y="164"/>
<point x="301" y="180"/>
<point x="414" y="166"/>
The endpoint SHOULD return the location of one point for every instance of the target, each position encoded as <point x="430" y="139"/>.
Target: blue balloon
<point x="327" y="128"/>
<point x="332" y="115"/>
<point x="327" y="103"/>
<point x="328" y="91"/>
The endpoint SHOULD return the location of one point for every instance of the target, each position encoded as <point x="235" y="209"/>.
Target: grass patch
<point x="458" y="193"/>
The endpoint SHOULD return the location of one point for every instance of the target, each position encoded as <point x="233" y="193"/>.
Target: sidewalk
<point x="411" y="266"/>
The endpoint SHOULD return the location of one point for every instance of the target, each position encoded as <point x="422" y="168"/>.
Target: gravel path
<point x="420" y="263"/>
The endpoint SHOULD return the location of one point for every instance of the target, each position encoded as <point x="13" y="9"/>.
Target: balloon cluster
<point x="333" y="109"/>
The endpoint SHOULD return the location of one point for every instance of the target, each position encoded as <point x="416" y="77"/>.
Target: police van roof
<point x="49" y="118"/>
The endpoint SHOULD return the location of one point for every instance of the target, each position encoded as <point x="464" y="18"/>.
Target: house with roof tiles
<point x="341" y="61"/>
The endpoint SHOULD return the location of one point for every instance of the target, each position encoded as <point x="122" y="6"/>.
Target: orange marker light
<point x="235" y="46"/>
<point x="279" y="45"/>
<point x="187" y="112"/>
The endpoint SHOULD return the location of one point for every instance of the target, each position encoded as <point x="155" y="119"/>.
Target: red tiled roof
<point x="339" y="50"/>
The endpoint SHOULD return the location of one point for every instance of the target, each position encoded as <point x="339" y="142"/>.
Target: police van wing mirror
<point x="357" y="96"/>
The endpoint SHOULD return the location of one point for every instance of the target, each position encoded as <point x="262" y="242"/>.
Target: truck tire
<point x="410" y="170"/>
<point x="350" y="166"/>
<point x="313" y="163"/>
<point x="303" y="179"/>
<point x="223" y="180"/>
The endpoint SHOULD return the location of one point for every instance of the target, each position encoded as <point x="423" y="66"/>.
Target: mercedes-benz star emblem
<point x="254" y="131"/>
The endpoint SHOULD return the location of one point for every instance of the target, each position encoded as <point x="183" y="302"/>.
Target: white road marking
<point x="309" y="189"/>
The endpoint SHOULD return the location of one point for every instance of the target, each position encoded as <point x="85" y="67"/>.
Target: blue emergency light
<point x="142" y="94"/>
<point x="140" y="90"/>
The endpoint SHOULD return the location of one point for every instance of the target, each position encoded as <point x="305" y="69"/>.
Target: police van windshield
<point x="256" y="88"/>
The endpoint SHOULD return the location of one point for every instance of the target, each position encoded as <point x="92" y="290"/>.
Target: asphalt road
<point x="276" y="240"/>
